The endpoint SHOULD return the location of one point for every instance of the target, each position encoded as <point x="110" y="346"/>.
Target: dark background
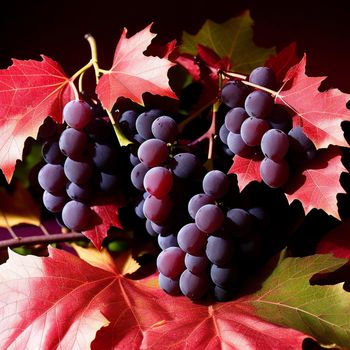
<point x="56" y="29"/>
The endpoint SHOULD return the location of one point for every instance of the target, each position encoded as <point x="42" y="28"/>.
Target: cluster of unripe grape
<point x="81" y="166"/>
<point x="256" y="126"/>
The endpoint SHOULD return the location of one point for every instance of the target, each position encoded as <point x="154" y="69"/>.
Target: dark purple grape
<point x="274" y="174"/>
<point x="165" y="228"/>
<point x="165" y="242"/>
<point x="77" y="114"/>
<point x="234" y="93"/>
<point x="54" y="203"/>
<point x="149" y="228"/>
<point x="144" y="122"/>
<point x="153" y="152"/>
<point x="137" y="175"/>
<point x="197" y="201"/>
<point x="223" y="294"/>
<point x="100" y="130"/>
<point x="134" y="160"/>
<point x="78" y="172"/>
<point x="275" y="144"/>
<point x="263" y="76"/>
<point x="259" y="104"/>
<point x="157" y="210"/>
<point x="165" y="128"/>
<point x="220" y="251"/>
<point x="216" y="184"/>
<point x="223" y="133"/>
<point x="51" y="153"/>
<point x="250" y="248"/>
<point x="280" y="118"/>
<point x="240" y="222"/>
<point x="171" y="286"/>
<point x="224" y="277"/>
<point x="253" y="129"/>
<point x="158" y="181"/>
<point x="234" y="119"/>
<point x="192" y="240"/>
<point x="236" y="145"/>
<point x="194" y="286"/>
<point x="127" y="122"/>
<point x="79" y="193"/>
<point x="52" y="179"/>
<point x="299" y="142"/>
<point x="186" y="165"/>
<point x="209" y="218"/>
<point x="77" y="216"/>
<point x="196" y="264"/>
<point x="105" y="157"/>
<point x="108" y="182"/>
<point x="73" y="143"/>
<point x="139" y="208"/>
<point x="171" y="262"/>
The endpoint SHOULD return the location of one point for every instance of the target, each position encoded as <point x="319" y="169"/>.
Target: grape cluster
<point x="80" y="164"/>
<point x="256" y="126"/>
<point x="212" y="251"/>
<point x="162" y="172"/>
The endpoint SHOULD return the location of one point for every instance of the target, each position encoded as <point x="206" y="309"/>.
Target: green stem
<point x="123" y="140"/>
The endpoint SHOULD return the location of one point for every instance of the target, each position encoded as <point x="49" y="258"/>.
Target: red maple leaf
<point x="318" y="185"/>
<point x="105" y="216"/>
<point x="133" y="73"/>
<point x="29" y="92"/>
<point x="319" y="113"/>
<point x="61" y="300"/>
<point x="246" y="169"/>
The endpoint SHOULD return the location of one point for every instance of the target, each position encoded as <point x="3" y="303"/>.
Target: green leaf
<point x="287" y="298"/>
<point x="232" y="39"/>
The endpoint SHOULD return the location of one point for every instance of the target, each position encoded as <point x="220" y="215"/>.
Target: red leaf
<point x="190" y="64"/>
<point x="212" y="59"/>
<point x="319" y="113"/>
<point x="133" y="73"/>
<point x="29" y="92"/>
<point x="336" y="241"/>
<point x="106" y="215"/>
<point x="283" y="61"/>
<point x="318" y="185"/>
<point x="62" y="301"/>
<point x="246" y="169"/>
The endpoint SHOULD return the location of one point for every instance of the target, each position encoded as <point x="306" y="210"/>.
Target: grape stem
<point x="211" y="133"/>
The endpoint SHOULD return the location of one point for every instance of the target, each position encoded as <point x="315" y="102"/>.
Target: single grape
<point x="253" y="129"/>
<point x="197" y="201"/>
<point x="108" y="182"/>
<point x="157" y="210"/>
<point x="192" y="240"/>
<point x="274" y="174"/>
<point x="149" y="228"/>
<point x="216" y="184"/>
<point x="52" y="179"/>
<point x="259" y="104"/>
<point x="239" y="221"/>
<point x="171" y="286"/>
<point x="220" y="251"/>
<point x="224" y="277"/>
<point x="79" y="193"/>
<point x="100" y="130"/>
<point x="77" y="216"/>
<point x="165" y="242"/>
<point x="77" y="114"/>
<point x="302" y="149"/>
<point x="186" y="165"/>
<point x="280" y="118"/>
<point x="153" y="152"/>
<point x="250" y="249"/>
<point x="144" y="123"/>
<point x="158" y="181"/>
<point x="234" y="119"/>
<point x="223" y="294"/>
<point x="137" y="175"/>
<point x="196" y="264"/>
<point x="209" y="218"/>
<point x="54" y="203"/>
<point x="51" y="153"/>
<point x="165" y="228"/>
<point x="194" y="286"/>
<point x="236" y="145"/>
<point x="127" y="122"/>
<point x="105" y="157"/>
<point x="73" y="143"/>
<point x="165" y="128"/>
<point x="171" y="262"/>
<point x="139" y="208"/>
<point x="223" y="133"/>
<point x="263" y="76"/>
<point x="275" y="144"/>
<point x="234" y="93"/>
<point x="78" y="172"/>
<point x="134" y="159"/>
